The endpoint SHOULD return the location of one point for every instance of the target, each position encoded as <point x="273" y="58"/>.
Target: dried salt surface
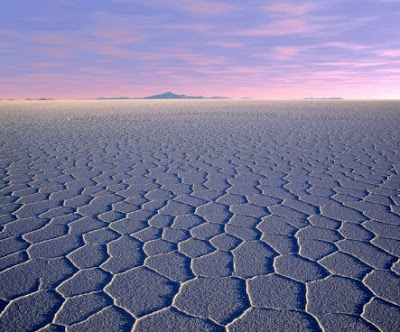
<point x="200" y="216"/>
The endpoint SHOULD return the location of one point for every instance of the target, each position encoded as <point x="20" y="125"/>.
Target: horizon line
<point x="196" y="99"/>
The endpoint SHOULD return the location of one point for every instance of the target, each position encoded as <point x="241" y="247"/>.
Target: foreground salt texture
<point x="200" y="216"/>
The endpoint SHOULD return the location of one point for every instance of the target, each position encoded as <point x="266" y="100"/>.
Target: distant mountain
<point x="166" y="95"/>
<point x="171" y="95"/>
<point x="218" y="97"/>
<point x="39" y="99"/>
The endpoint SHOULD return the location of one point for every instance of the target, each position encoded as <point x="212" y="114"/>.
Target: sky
<point x="71" y="49"/>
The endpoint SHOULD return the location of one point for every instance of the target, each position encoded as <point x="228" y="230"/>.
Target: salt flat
<point x="200" y="215"/>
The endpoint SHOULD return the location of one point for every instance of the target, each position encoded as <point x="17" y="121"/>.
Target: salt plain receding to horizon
<point x="237" y="215"/>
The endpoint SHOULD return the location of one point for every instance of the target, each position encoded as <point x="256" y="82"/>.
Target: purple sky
<point x="263" y="49"/>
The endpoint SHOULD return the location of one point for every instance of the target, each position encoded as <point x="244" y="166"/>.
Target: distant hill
<point x="39" y="99"/>
<point x="218" y="97"/>
<point x="166" y="95"/>
<point x="171" y="95"/>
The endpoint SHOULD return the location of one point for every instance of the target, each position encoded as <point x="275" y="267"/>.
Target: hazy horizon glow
<point x="70" y="49"/>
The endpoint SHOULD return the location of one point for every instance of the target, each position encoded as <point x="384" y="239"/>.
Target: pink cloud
<point x="390" y="53"/>
<point x="199" y="60"/>
<point x="98" y="71"/>
<point x="194" y="59"/>
<point x="58" y="53"/>
<point x="38" y="77"/>
<point x="291" y="66"/>
<point x="233" y="70"/>
<point x="334" y="64"/>
<point x="151" y="56"/>
<point x="225" y="44"/>
<point x="329" y="74"/>
<point x="110" y="51"/>
<point x="45" y="64"/>
<point x="293" y="9"/>
<point x="193" y="27"/>
<point x="388" y="70"/>
<point x="199" y="6"/>
<point x="284" y="52"/>
<point x="61" y="47"/>
<point x="50" y="39"/>
<point x="118" y="36"/>
<point x="353" y="64"/>
<point x="347" y="46"/>
<point x="206" y="7"/>
<point x="164" y="72"/>
<point x="101" y="48"/>
<point x="281" y="28"/>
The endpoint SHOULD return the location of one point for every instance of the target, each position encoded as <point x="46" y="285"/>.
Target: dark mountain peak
<point x="171" y="95"/>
